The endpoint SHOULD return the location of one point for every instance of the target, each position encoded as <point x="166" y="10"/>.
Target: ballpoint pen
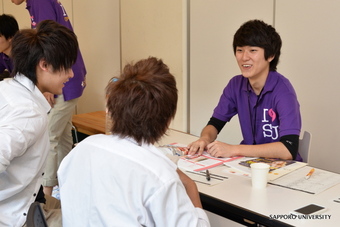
<point x="309" y="174"/>
<point x="207" y="175"/>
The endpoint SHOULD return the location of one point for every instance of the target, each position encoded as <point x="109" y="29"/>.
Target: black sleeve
<point x="218" y="124"/>
<point x="292" y="144"/>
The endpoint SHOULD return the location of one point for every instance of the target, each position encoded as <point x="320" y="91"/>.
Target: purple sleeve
<point x="289" y="113"/>
<point x="227" y="107"/>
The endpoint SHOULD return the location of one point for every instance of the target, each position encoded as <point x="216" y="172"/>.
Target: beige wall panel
<point x="310" y="31"/>
<point x="19" y="12"/>
<point x="154" y="28"/>
<point x="212" y="61"/>
<point x="96" y="24"/>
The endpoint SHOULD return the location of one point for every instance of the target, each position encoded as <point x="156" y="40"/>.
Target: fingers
<point x="218" y="149"/>
<point x="51" y="101"/>
<point x="212" y="149"/>
<point x="50" y="98"/>
<point x="196" y="147"/>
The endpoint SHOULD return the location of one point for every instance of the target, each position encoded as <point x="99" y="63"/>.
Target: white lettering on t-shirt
<point x="268" y="129"/>
<point x="264" y="115"/>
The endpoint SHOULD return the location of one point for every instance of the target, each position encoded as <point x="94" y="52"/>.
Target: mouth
<point x="246" y="66"/>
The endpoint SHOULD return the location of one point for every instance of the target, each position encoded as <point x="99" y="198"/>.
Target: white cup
<point x="259" y="175"/>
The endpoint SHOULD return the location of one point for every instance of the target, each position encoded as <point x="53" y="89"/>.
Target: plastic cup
<point x="259" y="175"/>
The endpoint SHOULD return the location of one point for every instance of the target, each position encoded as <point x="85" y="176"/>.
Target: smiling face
<point x="52" y="81"/>
<point x="252" y="62"/>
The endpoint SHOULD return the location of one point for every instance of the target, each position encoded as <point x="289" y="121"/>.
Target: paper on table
<point x="278" y="167"/>
<point x="202" y="162"/>
<point x="193" y="162"/>
<point x="318" y="182"/>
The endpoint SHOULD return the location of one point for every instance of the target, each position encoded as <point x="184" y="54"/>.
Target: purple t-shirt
<point x="40" y="10"/>
<point x="5" y="63"/>
<point x="264" y="118"/>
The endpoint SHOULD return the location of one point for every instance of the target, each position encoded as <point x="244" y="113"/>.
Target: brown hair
<point x="143" y="101"/>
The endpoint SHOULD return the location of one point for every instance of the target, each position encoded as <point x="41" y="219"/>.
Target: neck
<point x="257" y="86"/>
<point x="7" y="52"/>
<point x="258" y="83"/>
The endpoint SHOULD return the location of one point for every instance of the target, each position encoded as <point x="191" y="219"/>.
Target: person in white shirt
<point x="122" y="179"/>
<point x="42" y="63"/>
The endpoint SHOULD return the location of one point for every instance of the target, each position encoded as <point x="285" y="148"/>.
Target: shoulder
<point x="236" y="82"/>
<point x="279" y="77"/>
<point x="278" y="82"/>
<point x="237" y="79"/>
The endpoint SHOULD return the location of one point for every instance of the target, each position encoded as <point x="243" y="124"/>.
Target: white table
<point x="236" y="200"/>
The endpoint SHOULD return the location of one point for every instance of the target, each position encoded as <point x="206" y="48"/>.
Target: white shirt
<point x="24" y="146"/>
<point x="108" y="181"/>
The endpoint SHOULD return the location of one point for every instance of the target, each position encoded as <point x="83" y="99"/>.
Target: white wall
<point x="154" y="28"/>
<point x="97" y="24"/>
<point x="311" y="34"/>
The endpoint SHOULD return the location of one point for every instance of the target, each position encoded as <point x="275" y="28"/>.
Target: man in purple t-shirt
<point x="264" y="100"/>
<point x="60" y="117"/>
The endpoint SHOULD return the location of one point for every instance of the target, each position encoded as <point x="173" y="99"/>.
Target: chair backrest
<point x="304" y="146"/>
<point x="35" y="216"/>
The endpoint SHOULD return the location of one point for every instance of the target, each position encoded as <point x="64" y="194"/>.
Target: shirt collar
<point x="270" y="84"/>
<point x="28" y="84"/>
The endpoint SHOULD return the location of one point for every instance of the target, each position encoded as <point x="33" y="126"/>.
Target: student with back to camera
<point x="265" y="101"/>
<point x="123" y="179"/>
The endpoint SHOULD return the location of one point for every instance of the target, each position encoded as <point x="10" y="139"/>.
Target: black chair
<point x="35" y="216"/>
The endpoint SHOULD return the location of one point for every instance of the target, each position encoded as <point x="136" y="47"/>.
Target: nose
<point x="245" y="55"/>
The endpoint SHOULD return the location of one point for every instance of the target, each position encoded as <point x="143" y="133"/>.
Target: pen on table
<point x="207" y="175"/>
<point x="309" y="174"/>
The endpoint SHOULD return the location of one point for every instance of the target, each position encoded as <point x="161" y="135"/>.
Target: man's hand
<point x="197" y="147"/>
<point x="50" y="98"/>
<point x="221" y="150"/>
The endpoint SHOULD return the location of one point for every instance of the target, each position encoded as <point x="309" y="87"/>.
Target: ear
<point x="270" y="58"/>
<point x="43" y="65"/>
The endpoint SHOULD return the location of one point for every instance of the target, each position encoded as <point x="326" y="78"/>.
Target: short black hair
<point x="259" y="34"/>
<point x="8" y="26"/>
